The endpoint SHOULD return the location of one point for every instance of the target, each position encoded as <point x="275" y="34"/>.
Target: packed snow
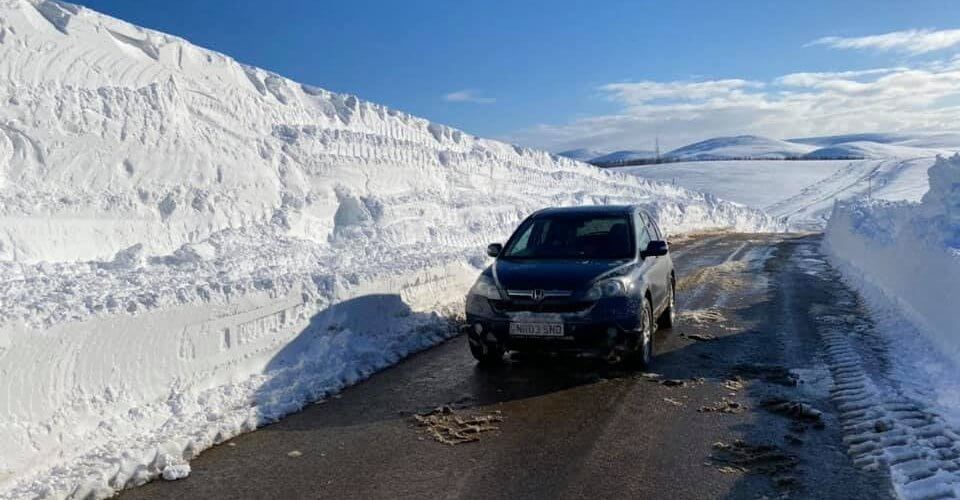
<point x="191" y="247"/>
<point x="904" y="258"/>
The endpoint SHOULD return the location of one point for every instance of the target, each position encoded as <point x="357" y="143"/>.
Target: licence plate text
<point x="536" y="329"/>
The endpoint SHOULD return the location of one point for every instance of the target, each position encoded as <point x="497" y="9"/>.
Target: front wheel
<point x="643" y="355"/>
<point x="486" y="354"/>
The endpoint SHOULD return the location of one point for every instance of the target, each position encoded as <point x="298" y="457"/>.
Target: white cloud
<point x="909" y="41"/>
<point x="640" y="93"/>
<point x="814" y="79"/>
<point x="793" y="105"/>
<point x="468" y="95"/>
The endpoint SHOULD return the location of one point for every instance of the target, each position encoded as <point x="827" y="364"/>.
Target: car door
<point x="649" y="265"/>
<point x="664" y="263"/>
<point x="658" y="268"/>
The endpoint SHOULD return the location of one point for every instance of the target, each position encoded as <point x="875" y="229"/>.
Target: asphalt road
<point x="704" y="426"/>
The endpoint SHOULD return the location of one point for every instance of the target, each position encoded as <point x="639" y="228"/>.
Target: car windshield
<point x="572" y="236"/>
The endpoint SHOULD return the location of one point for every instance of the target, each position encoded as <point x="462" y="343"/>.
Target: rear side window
<point x="643" y="236"/>
<point x="655" y="230"/>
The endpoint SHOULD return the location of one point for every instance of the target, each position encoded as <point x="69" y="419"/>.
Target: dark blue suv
<point x="590" y="280"/>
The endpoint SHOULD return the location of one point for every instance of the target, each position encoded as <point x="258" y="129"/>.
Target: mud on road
<point x="737" y="404"/>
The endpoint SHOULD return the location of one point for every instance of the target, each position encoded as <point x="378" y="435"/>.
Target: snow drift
<point x="906" y="257"/>
<point x="191" y="247"/>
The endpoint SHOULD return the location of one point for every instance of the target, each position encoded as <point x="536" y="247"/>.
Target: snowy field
<point x="757" y="183"/>
<point x="191" y="247"/>
<point x="799" y="192"/>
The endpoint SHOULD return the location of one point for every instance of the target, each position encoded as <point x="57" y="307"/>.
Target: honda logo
<point x="537" y="295"/>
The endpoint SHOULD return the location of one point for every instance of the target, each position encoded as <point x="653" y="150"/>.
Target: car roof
<point x="587" y="210"/>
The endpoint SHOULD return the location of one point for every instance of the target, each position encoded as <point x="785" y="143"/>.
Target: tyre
<point x="486" y="354"/>
<point x="668" y="319"/>
<point x="642" y="355"/>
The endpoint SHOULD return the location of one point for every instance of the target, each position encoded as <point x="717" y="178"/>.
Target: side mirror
<point x="494" y="249"/>
<point x="655" y="248"/>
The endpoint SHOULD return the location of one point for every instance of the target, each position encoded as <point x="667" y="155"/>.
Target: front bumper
<point x="609" y="324"/>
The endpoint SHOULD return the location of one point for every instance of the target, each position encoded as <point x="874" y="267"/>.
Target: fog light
<point x="478" y="328"/>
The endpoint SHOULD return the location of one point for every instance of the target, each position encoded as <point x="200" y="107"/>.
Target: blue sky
<point x="607" y="74"/>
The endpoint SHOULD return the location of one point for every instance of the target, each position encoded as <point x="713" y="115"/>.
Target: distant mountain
<point x="741" y="146"/>
<point x="937" y="140"/>
<point x="582" y="154"/>
<point x="754" y="147"/>
<point x="946" y="140"/>
<point x="623" y="156"/>
<point x="870" y="150"/>
<point x="833" y="140"/>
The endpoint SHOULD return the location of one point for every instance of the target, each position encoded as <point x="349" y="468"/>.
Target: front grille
<point x="540" y="307"/>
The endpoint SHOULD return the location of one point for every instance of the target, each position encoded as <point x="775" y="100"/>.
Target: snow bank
<point x="908" y="251"/>
<point x="905" y="257"/>
<point x="190" y="247"/>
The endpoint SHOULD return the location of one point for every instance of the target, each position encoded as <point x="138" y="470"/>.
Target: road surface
<point x="715" y="417"/>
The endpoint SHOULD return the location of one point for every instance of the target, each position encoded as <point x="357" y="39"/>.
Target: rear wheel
<point x="486" y="354"/>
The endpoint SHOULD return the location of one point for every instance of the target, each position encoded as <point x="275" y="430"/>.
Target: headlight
<point x="485" y="287"/>
<point x="607" y="288"/>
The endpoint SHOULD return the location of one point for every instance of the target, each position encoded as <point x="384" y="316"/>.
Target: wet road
<point x="705" y="426"/>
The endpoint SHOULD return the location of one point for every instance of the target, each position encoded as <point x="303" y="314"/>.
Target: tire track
<point x="883" y="429"/>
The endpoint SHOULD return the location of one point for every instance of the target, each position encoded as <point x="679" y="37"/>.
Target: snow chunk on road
<point x="175" y="472"/>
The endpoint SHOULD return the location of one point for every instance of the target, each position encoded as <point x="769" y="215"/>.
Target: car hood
<point x="551" y="274"/>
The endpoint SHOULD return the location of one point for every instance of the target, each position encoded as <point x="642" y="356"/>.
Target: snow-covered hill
<point x="881" y="145"/>
<point x="868" y="150"/>
<point x="582" y="154"/>
<point x="191" y="247"/>
<point x="850" y="146"/>
<point x="622" y="156"/>
<point x="801" y="191"/>
<point x="741" y="146"/>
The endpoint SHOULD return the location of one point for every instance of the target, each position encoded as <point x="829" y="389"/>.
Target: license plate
<point x="536" y="329"/>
